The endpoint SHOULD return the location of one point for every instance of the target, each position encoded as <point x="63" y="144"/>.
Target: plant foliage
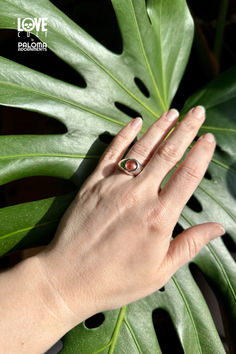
<point x="157" y="37"/>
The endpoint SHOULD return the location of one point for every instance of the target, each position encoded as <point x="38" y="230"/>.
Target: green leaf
<point x="156" y="44"/>
<point x="88" y="112"/>
<point x="133" y="323"/>
<point x="218" y="194"/>
<point x="32" y="223"/>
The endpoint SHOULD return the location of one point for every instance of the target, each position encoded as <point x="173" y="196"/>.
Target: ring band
<point x="130" y="166"/>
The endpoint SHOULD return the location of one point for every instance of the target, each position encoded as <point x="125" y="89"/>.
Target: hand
<point x="113" y="245"/>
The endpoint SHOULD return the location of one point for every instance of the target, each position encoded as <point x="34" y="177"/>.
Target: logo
<point x="27" y="25"/>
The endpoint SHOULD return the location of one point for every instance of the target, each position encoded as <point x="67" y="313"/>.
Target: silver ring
<point x="130" y="166"/>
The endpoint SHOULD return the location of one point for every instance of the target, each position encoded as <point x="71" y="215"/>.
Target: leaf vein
<point x="98" y="64"/>
<point x="146" y="59"/>
<point x="28" y="228"/>
<point x="216" y="258"/>
<point x="133" y="335"/>
<point x="50" y="155"/>
<point x="63" y="100"/>
<point x="188" y="310"/>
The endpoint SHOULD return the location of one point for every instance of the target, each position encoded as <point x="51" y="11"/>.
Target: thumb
<point x="189" y="242"/>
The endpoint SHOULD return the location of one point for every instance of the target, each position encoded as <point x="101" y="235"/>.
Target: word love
<point x="29" y="24"/>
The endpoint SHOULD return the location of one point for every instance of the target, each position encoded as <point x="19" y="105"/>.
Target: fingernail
<point x="172" y="114"/>
<point x="135" y="123"/>
<point x="217" y="231"/>
<point x="199" y="112"/>
<point x="221" y="229"/>
<point x="209" y="137"/>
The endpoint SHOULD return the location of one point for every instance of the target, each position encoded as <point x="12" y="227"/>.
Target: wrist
<point x="33" y="315"/>
<point x="66" y="291"/>
<point x="50" y="296"/>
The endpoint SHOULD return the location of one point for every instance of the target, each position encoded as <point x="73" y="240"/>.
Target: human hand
<point x="113" y="245"/>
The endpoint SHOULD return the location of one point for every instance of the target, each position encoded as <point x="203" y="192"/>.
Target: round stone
<point x="131" y="165"/>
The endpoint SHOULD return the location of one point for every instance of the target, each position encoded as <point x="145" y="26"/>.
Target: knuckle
<point x="189" y="124"/>
<point x="97" y="191"/>
<point x="192" y="247"/>
<point x="190" y="173"/>
<point x="128" y="198"/>
<point x="110" y="154"/>
<point x="81" y="195"/>
<point x="115" y="147"/>
<point x="160" y="126"/>
<point x="155" y="217"/>
<point x="168" y="153"/>
<point x="121" y="137"/>
<point x="140" y="149"/>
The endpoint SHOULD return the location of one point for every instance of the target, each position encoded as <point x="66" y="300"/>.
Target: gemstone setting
<point x="130" y="166"/>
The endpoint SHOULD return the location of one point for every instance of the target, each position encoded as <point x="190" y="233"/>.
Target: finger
<point x="188" y="175"/>
<point x="144" y="148"/>
<point x="173" y="148"/>
<point x="116" y="150"/>
<point x="187" y="244"/>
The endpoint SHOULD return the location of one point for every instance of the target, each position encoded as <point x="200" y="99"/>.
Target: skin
<point x="113" y="245"/>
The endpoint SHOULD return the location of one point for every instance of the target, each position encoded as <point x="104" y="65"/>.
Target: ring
<point x="130" y="166"/>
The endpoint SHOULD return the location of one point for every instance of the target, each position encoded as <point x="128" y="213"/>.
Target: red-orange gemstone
<point x="131" y="165"/>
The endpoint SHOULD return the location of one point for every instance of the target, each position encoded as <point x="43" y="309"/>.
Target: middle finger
<point x="172" y="149"/>
<point x="144" y="148"/>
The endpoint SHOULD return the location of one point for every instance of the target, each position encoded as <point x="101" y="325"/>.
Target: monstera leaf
<point x="156" y="37"/>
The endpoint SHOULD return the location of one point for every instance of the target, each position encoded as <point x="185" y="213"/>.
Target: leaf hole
<point x="34" y="188"/>
<point x="146" y="1"/>
<point x="97" y="18"/>
<point x="127" y="110"/>
<point x="230" y="178"/>
<point x="17" y="121"/>
<point x="194" y="204"/>
<point x="208" y="175"/>
<point x="45" y="62"/>
<point x="220" y="151"/>
<point x="177" y="230"/>
<point x="166" y="333"/>
<point x="211" y="300"/>
<point x="162" y="289"/>
<point x="229" y="244"/>
<point x="95" y="321"/>
<point x="142" y="87"/>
